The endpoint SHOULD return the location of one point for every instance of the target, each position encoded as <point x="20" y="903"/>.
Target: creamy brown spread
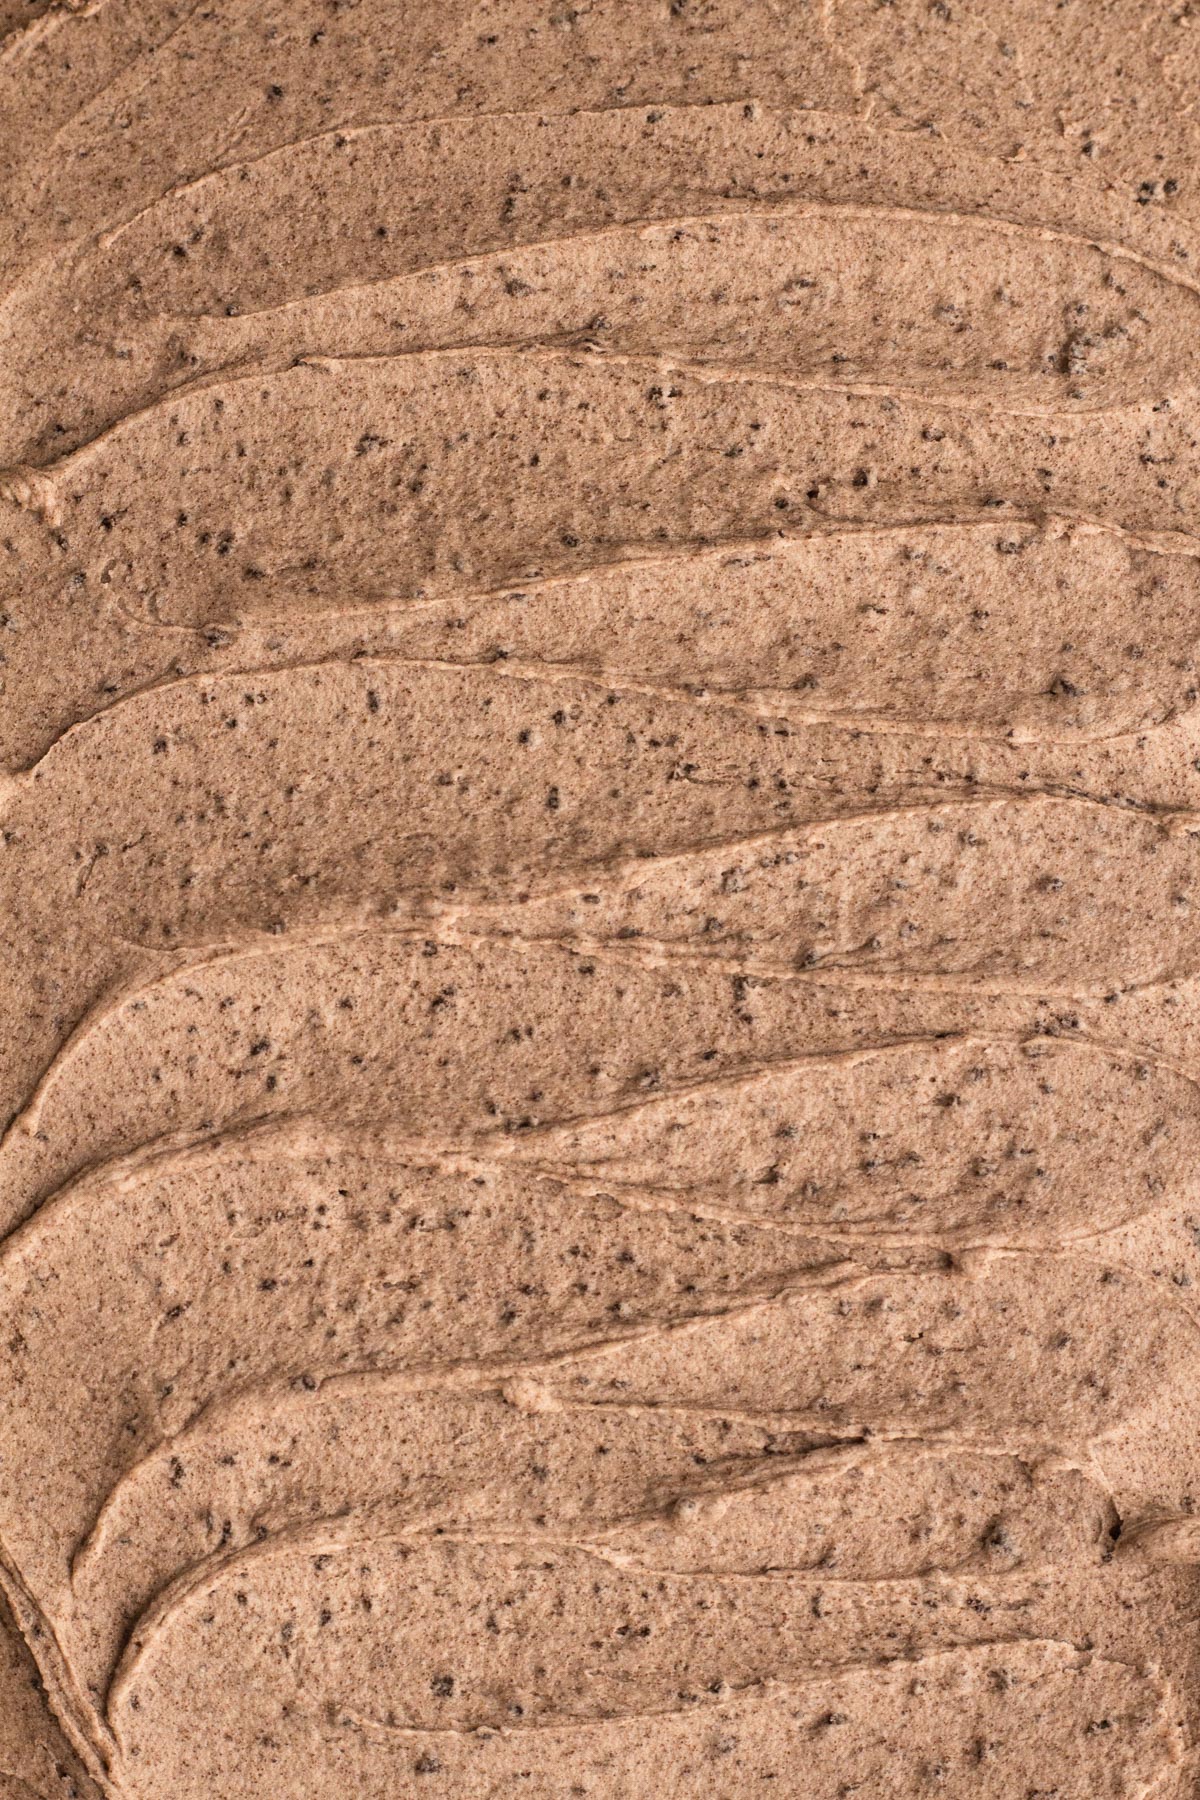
<point x="600" y="899"/>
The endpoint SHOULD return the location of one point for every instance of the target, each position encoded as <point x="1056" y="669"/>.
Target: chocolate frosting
<point x="599" y="866"/>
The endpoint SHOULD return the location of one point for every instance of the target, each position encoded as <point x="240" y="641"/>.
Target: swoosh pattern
<point x="599" y="815"/>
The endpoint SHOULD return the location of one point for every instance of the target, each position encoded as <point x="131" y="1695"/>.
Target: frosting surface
<point x="599" y="871"/>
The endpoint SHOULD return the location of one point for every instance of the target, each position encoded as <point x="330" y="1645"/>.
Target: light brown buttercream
<point x="600" y="866"/>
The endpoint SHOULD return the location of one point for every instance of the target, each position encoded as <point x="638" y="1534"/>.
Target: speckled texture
<point x="599" y="872"/>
